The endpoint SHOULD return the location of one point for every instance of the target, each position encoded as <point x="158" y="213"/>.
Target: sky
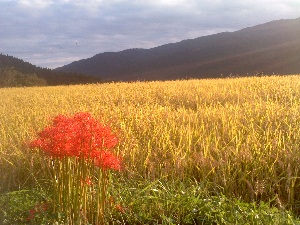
<point x="53" y="33"/>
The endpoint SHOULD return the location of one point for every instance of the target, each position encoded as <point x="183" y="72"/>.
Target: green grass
<point x="189" y="202"/>
<point x="158" y="202"/>
<point x="237" y="138"/>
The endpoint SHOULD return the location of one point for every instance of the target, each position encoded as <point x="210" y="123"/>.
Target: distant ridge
<point x="273" y="47"/>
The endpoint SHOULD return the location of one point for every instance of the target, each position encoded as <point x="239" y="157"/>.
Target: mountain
<point x="273" y="47"/>
<point x="11" y="67"/>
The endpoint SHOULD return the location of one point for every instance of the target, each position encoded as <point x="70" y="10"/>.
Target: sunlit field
<point x="231" y="140"/>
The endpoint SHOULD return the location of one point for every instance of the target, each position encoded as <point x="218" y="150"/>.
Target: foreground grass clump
<point x="240" y="137"/>
<point x="159" y="202"/>
<point x="23" y="207"/>
<point x="165" y="202"/>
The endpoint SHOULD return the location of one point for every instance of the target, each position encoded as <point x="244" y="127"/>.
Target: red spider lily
<point x="39" y="208"/>
<point x="87" y="181"/>
<point x="31" y="214"/>
<point x="85" y="143"/>
<point x="107" y="160"/>
<point x="74" y="136"/>
<point x="79" y="136"/>
<point x="119" y="208"/>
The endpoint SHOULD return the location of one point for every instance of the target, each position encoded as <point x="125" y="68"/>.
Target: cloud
<point x="52" y="33"/>
<point x="35" y="3"/>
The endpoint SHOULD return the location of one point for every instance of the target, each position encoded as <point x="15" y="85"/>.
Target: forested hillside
<point x="15" y="72"/>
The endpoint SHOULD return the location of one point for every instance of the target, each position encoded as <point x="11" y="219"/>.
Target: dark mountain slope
<point x="51" y="77"/>
<point x="272" y="47"/>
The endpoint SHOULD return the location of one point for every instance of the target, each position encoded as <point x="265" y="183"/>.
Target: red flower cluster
<point x="80" y="136"/>
<point x="106" y="160"/>
<point x="39" y="208"/>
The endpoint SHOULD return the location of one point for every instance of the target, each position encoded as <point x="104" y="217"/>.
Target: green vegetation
<point x="15" y="72"/>
<point x="9" y="77"/>
<point x="159" y="202"/>
<point x="195" y="151"/>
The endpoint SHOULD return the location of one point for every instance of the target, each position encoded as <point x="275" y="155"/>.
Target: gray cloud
<point x="52" y="33"/>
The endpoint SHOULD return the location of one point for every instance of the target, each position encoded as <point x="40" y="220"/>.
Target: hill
<point x="273" y="47"/>
<point x="19" y="72"/>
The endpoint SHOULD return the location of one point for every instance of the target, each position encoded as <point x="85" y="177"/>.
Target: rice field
<point x="238" y="137"/>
